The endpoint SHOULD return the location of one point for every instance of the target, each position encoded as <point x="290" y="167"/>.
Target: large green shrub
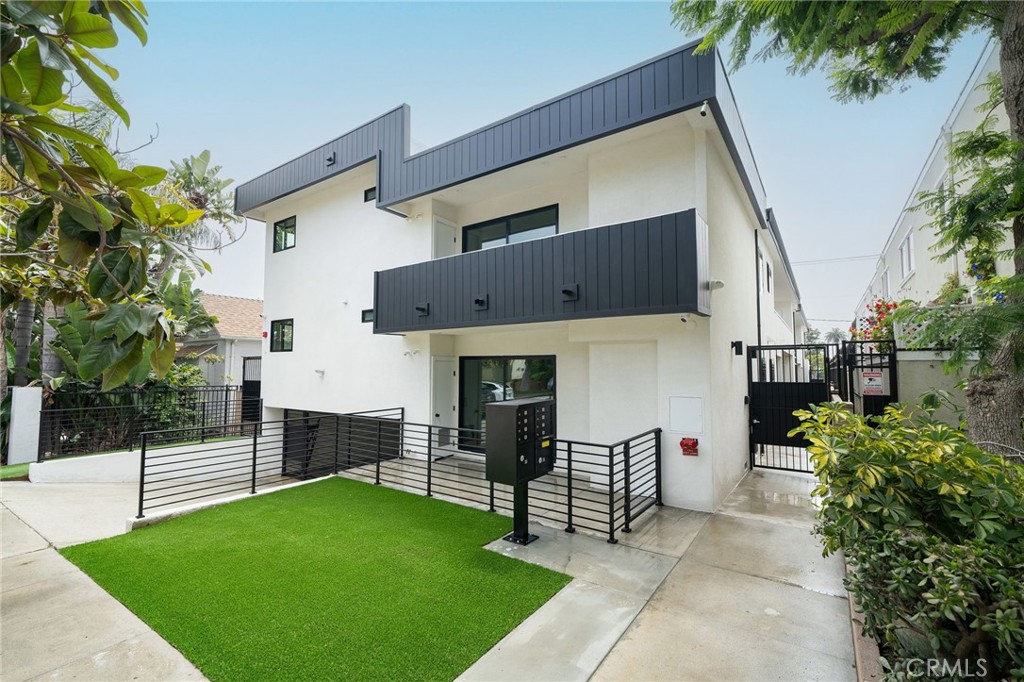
<point x="933" y="528"/>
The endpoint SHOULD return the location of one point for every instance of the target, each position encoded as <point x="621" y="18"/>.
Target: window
<point x="885" y="285"/>
<point x="768" y="277"/>
<point x="281" y="336"/>
<point x="368" y="315"/>
<point x="495" y="379"/>
<point x="284" y="234"/>
<point x="907" y="256"/>
<point x="370" y="194"/>
<point x="520" y="227"/>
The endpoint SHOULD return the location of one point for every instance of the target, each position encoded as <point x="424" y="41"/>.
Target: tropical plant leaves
<point x="32" y="222"/>
<point x="99" y="354"/>
<point x="91" y="30"/>
<point x="44" y="84"/>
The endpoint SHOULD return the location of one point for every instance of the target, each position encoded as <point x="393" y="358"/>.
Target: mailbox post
<point x="520" y="448"/>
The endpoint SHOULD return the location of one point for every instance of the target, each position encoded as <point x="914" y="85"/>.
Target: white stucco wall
<point x="731" y="230"/>
<point x="650" y="176"/>
<point x="323" y="284"/>
<point x="233" y="460"/>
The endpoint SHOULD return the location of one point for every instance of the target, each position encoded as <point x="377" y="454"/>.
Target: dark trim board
<point x="645" y="267"/>
<point x="668" y="84"/>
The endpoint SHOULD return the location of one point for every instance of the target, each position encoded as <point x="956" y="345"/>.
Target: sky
<point x="259" y="83"/>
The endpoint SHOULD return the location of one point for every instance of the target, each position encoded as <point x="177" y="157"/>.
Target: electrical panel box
<point x="520" y="440"/>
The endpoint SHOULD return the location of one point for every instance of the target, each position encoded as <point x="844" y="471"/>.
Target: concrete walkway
<point x="743" y="594"/>
<point x="57" y="624"/>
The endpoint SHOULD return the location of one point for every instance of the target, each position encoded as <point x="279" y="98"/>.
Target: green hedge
<point x="933" y="528"/>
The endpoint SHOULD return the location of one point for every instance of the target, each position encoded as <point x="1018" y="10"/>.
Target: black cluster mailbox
<point x="520" y="448"/>
<point x="520" y="440"/>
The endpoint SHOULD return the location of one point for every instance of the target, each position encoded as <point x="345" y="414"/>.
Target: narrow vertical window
<point x="284" y="234"/>
<point x="281" y="336"/>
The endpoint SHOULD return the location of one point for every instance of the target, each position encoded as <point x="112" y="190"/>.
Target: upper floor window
<point x="370" y="194"/>
<point x="520" y="227"/>
<point x="284" y="234"/>
<point x="907" y="256"/>
<point x="281" y="335"/>
<point x="768" y="277"/>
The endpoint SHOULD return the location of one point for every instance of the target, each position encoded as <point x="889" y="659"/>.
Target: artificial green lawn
<point x="14" y="471"/>
<point x="336" y="580"/>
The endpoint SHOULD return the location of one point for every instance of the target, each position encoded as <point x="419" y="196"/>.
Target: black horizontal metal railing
<point x="596" y="487"/>
<point x="91" y="422"/>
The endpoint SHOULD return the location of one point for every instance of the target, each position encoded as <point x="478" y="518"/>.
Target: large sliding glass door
<point x="485" y="380"/>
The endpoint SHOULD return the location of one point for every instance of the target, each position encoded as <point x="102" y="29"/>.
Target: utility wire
<point x="833" y="260"/>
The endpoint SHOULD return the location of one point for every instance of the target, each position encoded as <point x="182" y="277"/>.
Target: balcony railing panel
<point x="643" y="267"/>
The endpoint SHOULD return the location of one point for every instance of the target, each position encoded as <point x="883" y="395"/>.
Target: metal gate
<point x="870" y="380"/>
<point x="252" y="408"/>
<point x="783" y="379"/>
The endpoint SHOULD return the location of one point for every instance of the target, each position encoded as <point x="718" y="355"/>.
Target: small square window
<point x="281" y="336"/>
<point x="370" y="194"/>
<point x="368" y="315"/>
<point x="284" y="234"/>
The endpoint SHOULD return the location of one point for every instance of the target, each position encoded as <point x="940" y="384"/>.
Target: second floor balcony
<point x="644" y="267"/>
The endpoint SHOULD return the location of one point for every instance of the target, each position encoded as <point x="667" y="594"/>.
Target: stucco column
<point x="23" y="437"/>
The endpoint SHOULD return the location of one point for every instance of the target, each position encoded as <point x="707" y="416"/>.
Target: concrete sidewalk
<point x="751" y="598"/>
<point x="743" y="595"/>
<point x="57" y="624"/>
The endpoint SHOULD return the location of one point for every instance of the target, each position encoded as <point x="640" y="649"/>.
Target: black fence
<point x="870" y="376"/>
<point x="77" y="423"/>
<point x="601" y="488"/>
<point x="783" y="379"/>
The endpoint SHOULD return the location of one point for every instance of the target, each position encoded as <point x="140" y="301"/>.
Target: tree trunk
<point x="22" y="339"/>
<point x="50" y="364"/>
<point x="995" y="403"/>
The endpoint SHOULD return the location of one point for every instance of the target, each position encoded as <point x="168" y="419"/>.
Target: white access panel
<point x="685" y="414"/>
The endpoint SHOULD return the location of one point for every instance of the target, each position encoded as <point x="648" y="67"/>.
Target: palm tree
<point x="835" y="335"/>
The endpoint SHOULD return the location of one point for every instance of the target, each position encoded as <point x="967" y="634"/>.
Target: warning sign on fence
<point x="873" y="382"/>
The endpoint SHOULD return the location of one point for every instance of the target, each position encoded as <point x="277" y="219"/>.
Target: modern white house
<point x="907" y="268"/>
<point x="611" y="247"/>
<point x="238" y="334"/>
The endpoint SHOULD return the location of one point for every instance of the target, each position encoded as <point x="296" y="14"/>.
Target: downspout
<point x="757" y="282"/>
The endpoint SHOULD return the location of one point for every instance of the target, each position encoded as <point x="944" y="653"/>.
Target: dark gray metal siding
<point x="644" y="267"/>
<point x="390" y="131"/>
<point x="665" y="85"/>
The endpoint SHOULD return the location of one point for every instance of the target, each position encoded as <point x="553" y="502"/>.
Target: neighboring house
<point x="237" y="335"/>
<point x="907" y="268"/>
<point x="607" y="247"/>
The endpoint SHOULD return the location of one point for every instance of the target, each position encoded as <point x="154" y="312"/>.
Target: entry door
<point x="444" y="238"/>
<point x="444" y="398"/>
